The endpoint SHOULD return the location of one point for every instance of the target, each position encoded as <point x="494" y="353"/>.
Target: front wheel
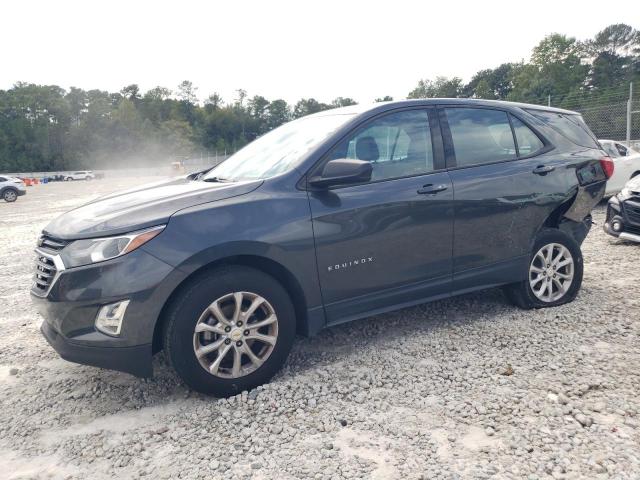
<point x="10" y="195"/>
<point x="554" y="273"/>
<point x="68" y="179"/>
<point x="229" y="330"/>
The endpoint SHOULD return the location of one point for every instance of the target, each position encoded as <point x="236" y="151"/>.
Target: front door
<point x="389" y="241"/>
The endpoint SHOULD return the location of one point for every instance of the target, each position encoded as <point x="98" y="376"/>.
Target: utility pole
<point x="549" y="100"/>
<point x="629" y="107"/>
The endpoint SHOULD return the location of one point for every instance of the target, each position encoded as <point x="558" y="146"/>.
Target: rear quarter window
<point x="571" y="126"/>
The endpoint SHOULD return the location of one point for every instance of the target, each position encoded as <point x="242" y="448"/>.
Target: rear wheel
<point x="10" y="195"/>
<point x="230" y="330"/>
<point x="554" y="274"/>
<point x="68" y="179"/>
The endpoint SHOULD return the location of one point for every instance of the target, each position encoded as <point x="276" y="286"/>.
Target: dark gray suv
<point x="333" y="217"/>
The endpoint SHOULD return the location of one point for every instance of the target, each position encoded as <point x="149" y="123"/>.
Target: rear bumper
<point x="22" y="192"/>
<point x="135" y="360"/>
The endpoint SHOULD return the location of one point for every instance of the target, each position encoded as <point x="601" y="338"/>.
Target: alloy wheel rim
<point x="235" y="335"/>
<point x="10" y="196"/>
<point x="551" y="272"/>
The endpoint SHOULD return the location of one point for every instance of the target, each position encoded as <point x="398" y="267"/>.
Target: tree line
<point x="45" y="127"/>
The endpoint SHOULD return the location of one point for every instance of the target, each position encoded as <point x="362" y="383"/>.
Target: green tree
<point x="483" y="90"/>
<point x="441" y="87"/>
<point x="278" y="113"/>
<point x="131" y="92"/>
<point x="187" y="92"/>
<point x="343" y="102"/>
<point x="556" y="69"/>
<point x="307" y="106"/>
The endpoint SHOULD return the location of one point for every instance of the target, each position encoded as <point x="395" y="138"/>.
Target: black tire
<point x="10" y="195"/>
<point x="185" y="310"/>
<point x="68" y="179"/>
<point x="521" y="293"/>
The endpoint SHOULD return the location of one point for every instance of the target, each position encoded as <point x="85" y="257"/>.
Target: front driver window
<point x="397" y="145"/>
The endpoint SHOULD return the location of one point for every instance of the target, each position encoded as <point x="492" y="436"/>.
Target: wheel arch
<point x="266" y="265"/>
<point x="8" y="188"/>
<point x="558" y="221"/>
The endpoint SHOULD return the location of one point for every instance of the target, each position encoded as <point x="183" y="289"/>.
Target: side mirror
<point x="342" y="172"/>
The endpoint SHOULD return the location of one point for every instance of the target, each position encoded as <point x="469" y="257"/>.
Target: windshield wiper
<point x="217" y="179"/>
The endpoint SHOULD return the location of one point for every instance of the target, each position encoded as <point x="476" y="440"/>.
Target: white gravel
<point x="469" y="387"/>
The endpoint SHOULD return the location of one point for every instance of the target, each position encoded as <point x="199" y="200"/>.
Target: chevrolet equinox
<point x="332" y="217"/>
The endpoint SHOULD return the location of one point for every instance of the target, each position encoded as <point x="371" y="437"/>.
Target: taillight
<point x="607" y="166"/>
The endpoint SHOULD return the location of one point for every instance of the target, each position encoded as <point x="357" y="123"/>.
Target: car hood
<point x="142" y="207"/>
<point x="634" y="184"/>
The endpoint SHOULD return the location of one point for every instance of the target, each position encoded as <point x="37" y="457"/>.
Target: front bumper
<point x="22" y="192"/>
<point x="135" y="360"/>
<point x="625" y="215"/>
<point x="74" y="299"/>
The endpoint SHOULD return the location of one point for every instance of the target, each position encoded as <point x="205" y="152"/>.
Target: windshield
<point x="279" y="150"/>
<point x="610" y="149"/>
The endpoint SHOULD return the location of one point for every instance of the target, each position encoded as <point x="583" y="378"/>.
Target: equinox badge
<point x="349" y="264"/>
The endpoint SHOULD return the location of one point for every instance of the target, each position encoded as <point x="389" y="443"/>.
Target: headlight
<point x="93" y="250"/>
<point x="624" y="193"/>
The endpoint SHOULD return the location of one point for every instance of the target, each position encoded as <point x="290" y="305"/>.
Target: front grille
<point x="44" y="275"/>
<point x="633" y="211"/>
<point x="632" y="229"/>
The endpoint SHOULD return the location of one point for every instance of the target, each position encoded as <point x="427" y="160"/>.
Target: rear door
<point x="507" y="180"/>
<point x="388" y="241"/>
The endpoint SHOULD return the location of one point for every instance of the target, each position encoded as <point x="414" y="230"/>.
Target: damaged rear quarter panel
<point x="591" y="188"/>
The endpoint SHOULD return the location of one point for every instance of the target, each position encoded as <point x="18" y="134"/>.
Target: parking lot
<point x="469" y="387"/>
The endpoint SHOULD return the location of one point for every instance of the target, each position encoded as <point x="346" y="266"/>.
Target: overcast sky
<point x="280" y="49"/>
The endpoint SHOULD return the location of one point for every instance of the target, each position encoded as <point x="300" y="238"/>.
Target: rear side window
<point x="528" y="141"/>
<point x="2" y="179"/>
<point x="571" y="126"/>
<point x="480" y="136"/>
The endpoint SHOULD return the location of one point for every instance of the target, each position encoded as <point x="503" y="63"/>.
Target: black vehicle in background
<point x="623" y="212"/>
<point x="332" y="217"/>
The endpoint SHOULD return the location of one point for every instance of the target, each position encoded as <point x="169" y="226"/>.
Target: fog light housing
<point x="109" y="318"/>
<point x="616" y="225"/>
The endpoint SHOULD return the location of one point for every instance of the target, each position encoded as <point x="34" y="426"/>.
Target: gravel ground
<point x="463" y="388"/>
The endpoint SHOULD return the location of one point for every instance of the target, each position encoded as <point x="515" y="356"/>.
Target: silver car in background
<point x="11" y="188"/>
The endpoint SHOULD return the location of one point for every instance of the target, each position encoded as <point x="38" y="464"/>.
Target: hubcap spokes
<point x="551" y="272"/>
<point x="235" y="335"/>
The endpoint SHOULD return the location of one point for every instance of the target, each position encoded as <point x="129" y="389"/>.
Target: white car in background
<point x="80" y="175"/>
<point x="11" y="188"/>
<point x="626" y="165"/>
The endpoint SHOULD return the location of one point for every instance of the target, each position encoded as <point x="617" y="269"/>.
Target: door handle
<point x="431" y="189"/>
<point x="543" y="169"/>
